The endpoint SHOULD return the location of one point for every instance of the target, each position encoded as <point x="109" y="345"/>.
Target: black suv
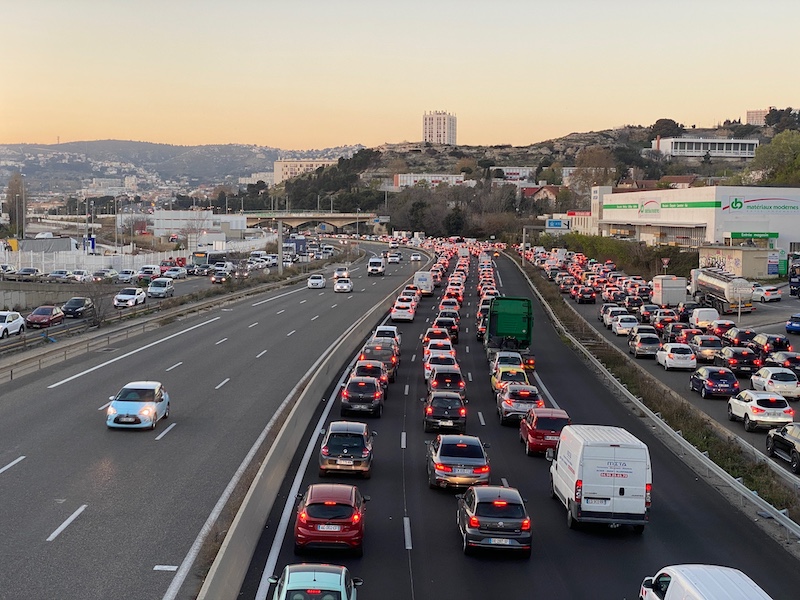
<point x="736" y="336"/>
<point x="78" y="307"/>
<point x="363" y="395"/>
<point x="767" y="343"/>
<point x="447" y="379"/>
<point x="347" y="446"/>
<point x="444" y="410"/>
<point x="785" y="444"/>
<point x="450" y="325"/>
<point x="787" y="360"/>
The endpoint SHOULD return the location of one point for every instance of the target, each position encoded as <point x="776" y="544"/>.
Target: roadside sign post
<point x="740" y="294"/>
<point x="665" y="263"/>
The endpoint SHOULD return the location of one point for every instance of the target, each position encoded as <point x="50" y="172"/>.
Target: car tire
<point x="731" y="416"/>
<point x="552" y="488"/>
<point x="425" y="427"/>
<point x="748" y="424"/>
<point x="298" y="549"/>
<point x="21" y="330"/>
<point x="528" y="451"/>
<point x="431" y="482"/>
<point x="503" y="420"/>
<point x="358" y="551"/>
<point x="4" y="335"/>
<point x="703" y="393"/>
<point x="465" y="547"/>
<point x="367" y="474"/>
<point x="666" y="367"/>
<point x="155" y="422"/>
<point x="166" y="412"/>
<point x="794" y="464"/>
<point x="322" y="473"/>
<point x="763" y="301"/>
<point x="770" y="447"/>
<point x="571" y="522"/>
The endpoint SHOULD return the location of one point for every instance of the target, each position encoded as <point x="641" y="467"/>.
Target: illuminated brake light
<point x="526" y="524"/>
<point x="474" y="522"/>
<point x="345" y="394"/>
<point x="756" y="410"/>
<point x="648" y="492"/>
<point x="462" y="412"/>
<point x="356" y="518"/>
<point x="789" y="411"/>
<point x="481" y="470"/>
<point x="303" y="516"/>
<point x="578" y="490"/>
<point x="443" y="467"/>
<point x="325" y="451"/>
<point x="428" y="410"/>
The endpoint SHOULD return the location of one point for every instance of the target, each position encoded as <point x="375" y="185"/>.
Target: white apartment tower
<point x="439" y="127"/>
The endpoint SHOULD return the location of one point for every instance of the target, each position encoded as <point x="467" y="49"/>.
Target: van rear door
<point x="614" y="481"/>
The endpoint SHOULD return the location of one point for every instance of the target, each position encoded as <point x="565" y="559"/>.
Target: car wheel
<point x="526" y="553"/>
<point x="298" y="549"/>
<point x="731" y="416"/>
<point x="703" y="392"/>
<point x="638" y="529"/>
<point x="794" y="464"/>
<point x="748" y="424"/>
<point x="21" y="330"/>
<point x="166" y="412"/>
<point x="528" y="449"/>
<point x="465" y="547"/>
<point x="155" y="421"/>
<point x="770" y="447"/>
<point x="322" y="472"/>
<point x="367" y="474"/>
<point x="571" y="522"/>
<point x="666" y="366"/>
<point x="502" y="418"/>
<point x="763" y="300"/>
<point x="552" y="488"/>
<point x="4" y="335"/>
<point x="425" y="427"/>
<point x="431" y="481"/>
<point x="379" y="412"/>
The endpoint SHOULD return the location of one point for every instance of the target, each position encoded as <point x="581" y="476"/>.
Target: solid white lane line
<point x="223" y="382"/>
<point x="221" y="341"/>
<point x="260" y="354"/>
<point x="405" y="392"/>
<point x="66" y="523"/>
<point x="499" y="279"/>
<point x="407" y="531"/>
<point x="131" y="353"/>
<point x="469" y="375"/>
<point x="413" y="357"/>
<point x="166" y="431"/>
<point x="315" y="318"/>
<point x="13" y="462"/>
<point x="402" y="441"/>
<point x="321" y="294"/>
<point x="260" y="302"/>
<point x="504" y="481"/>
<point x="480" y="418"/>
<point x="334" y="306"/>
<point x="105" y="406"/>
<point x="543" y="387"/>
<point x="283" y="310"/>
<point x="467" y="349"/>
<point x="165" y="568"/>
<point x="175" y="366"/>
<point x="303" y="301"/>
<point x="252" y="325"/>
<point x="291" y="332"/>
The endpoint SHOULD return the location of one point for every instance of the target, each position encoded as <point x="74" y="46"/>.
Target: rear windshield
<point x="523" y="395"/>
<point x="442" y="359"/>
<point x="722" y="377"/>
<point x="462" y="450"/>
<point x="681" y="350"/>
<point x="368" y="371"/>
<point x="500" y="510"/>
<point x="513" y="376"/>
<point x="649" y="339"/>
<point x="784" y="377"/>
<point x="779" y="343"/>
<point x="448" y="379"/>
<point x="772" y="403"/>
<point x="445" y="402"/>
<point x="341" y="441"/>
<point x="361" y="387"/>
<point x="794" y="319"/>
<point x="710" y="343"/>
<point x="551" y="423"/>
<point x="509" y="360"/>
<point x="383" y="355"/>
<point x="329" y="511"/>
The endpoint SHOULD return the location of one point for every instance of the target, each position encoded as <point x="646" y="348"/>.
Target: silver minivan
<point x="161" y="287"/>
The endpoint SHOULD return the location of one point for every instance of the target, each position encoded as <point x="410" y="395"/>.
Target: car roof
<point x="347" y="427"/>
<point x="454" y="438"/>
<point x="549" y="412"/>
<point x="143" y="385"/>
<point x="304" y="575"/>
<point x="760" y="395"/>
<point x="772" y="370"/>
<point x="336" y="492"/>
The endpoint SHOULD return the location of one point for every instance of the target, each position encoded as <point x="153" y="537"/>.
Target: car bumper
<point x="311" y="538"/>
<point x="502" y="540"/>
<point x="361" y="407"/>
<point x="682" y="364"/>
<point x="793" y="393"/>
<point x="341" y="465"/>
<point x="445" y="423"/>
<point x="139" y="422"/>
<point x="542" y="444"/>
<point x="611" y="518"/>
<point x="770" y="423"/>
<point x="445" y="480"/>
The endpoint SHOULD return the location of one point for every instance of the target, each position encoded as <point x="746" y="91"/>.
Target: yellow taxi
<point x="505" y="374"/>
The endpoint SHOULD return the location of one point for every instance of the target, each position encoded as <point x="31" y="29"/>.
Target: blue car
<point x="138" y="405"/>
<point x="793" y="324"/>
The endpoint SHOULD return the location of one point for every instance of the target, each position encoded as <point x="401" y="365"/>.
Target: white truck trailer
<point x="721" y="290"/>
<point x="669" y="290"/>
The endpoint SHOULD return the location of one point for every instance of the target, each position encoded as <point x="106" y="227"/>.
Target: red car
<point x="45" y="316"/>
<point x="540" y="428"/>
<point x="330" y="515"/>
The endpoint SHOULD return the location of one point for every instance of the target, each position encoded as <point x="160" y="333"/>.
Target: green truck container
<point x="509" y="325"/>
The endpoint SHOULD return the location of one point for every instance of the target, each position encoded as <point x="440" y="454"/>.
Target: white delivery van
<point x="424" y="281"/>
<point x="376" y="266"/>
<point x="701" y="317"/>
<point x="700" y="582"/>
<point x="601" y="474"/>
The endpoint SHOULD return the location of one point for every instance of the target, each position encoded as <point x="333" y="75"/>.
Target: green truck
<point x="509" y="326"/>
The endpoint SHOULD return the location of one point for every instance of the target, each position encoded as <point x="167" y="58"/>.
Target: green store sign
<point x="761" y="235"/>
<point x="708" y="204"/>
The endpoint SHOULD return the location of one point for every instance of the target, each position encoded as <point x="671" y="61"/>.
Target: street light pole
<point x="24" y="207"/>
<point x="16" y="221"/>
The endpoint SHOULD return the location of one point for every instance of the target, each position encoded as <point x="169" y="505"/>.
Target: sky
<point x="313" y="74"/>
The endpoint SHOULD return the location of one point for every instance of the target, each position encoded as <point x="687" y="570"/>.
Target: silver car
<point x="644" y="344"/>
<point x="514" y="400"/>
<point x="493" y="517"/>
<point x="457" y="461"/>
<point x="346" y="447"/>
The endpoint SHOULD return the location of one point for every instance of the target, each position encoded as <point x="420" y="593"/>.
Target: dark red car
<point x="540" y="428"/>
<point x="45" y="316"/>
<point x="330" y="515"/>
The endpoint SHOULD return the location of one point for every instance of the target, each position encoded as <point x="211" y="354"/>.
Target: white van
<point x="701" y="317"/>
<point x="424" y="281"/>
<point x="700" y="582"/>
<point x="602" y="474"/>
<point x="376" y="266"/>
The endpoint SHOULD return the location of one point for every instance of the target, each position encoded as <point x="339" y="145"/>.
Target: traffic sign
<point x="665" y="260"/>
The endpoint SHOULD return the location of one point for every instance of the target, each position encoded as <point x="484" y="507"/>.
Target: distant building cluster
<point x="757" y="117"/>
<point x="287" y="169"/>
<point x="104" y="186"/>
<point x="439" y="127"/>
<point x="405" y="180"/>
<point x="268" y="177"/>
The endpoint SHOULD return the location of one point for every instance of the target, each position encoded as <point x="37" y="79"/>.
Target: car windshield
<point x="772" y="403"/>
<point x="551" y="423"/>
<point x="784" y="377"/>
<point x="127" y="292"/>
<point x="345" y="441"/>
<point x="461" y="450"/>
<point x="136" y="395"/>
<point x="446" y="402"/>
<point x="326" y="511"/>
<point x="722" y="377"/>
<point x="74" y="303"/>
<point x="500" y="510"/>
<point x="157" y="283"/>
<point x="42" y="310"/>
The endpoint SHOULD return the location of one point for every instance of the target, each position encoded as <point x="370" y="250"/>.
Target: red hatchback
<point x="540" y="428"/>
<point x="330" y="515"/>
<point x="45" y="316"/>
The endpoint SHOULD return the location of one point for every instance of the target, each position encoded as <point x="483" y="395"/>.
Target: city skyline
<point x="321" y="75"/>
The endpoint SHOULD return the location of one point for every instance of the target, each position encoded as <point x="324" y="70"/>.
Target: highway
<point x="88" y="512"/>
<point x="412" y="547"/>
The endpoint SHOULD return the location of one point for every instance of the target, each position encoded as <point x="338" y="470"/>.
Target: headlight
<point x="146" y="411"/>
<point x="111" y="411"/>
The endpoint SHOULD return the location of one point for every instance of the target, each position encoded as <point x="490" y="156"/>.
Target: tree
<point x="455" y="222"/>
<point x="782" y="120"/>
<point x="666" y="128"/>
<point x="417" y="215"/>
<point x="595" y="166"/>
<point x="778" y="163"/>
<point x="486" y="164"/>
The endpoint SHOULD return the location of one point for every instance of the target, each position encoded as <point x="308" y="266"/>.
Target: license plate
<point x="462" y="471"/>
<point x="446" y="423"/>
<point x="127" y="420"/>
<point x="342" y="461"/>
<point x="499" y="541"/>
<point x="600" y="501"/>
<point x="329" y="527"/>
<point x="744" y="369"/>
<point x="551" y="438"/>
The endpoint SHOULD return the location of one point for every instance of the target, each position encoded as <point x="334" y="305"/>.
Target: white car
<point x="676" y="356"/>
<point x="343" y="284"/>
<point x="438" y="358"/>
<point x="316" y="281"/>
<point x="776" y="380"/>
<point x="611" y="313"/>
<point x="394" y="257"/>
<point x="402" y="311"/>
<point x="388" y="331"/>
<point x="506" y="358"/>
<point x="11" y="322"/>
<point x="175" y="273"/>
<point x="138" y="405"/>
<point x="130" y="296"/>
<point x="766" y="293"/>
<point x="416" y="256"/>
<point x="82" y="275"/>
<point x="759" y="409"/>
<point x="341" y="272"/>
<point x="623" y="324"/>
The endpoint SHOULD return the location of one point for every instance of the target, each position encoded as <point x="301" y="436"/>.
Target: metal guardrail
<point x="746" y="495"/>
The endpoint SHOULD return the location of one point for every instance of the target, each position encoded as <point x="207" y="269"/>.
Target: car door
<point x="739" y="404"/>
<point x="758" y="379"/>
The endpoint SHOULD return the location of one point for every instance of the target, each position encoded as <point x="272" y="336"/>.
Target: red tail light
<point x="325" y="451"/>
<point x="789" y="411"/>
<point x="345" y="394"/>
<point x="648" y="492"/>
<point x="394" y="359"/>
<point x="462" y="412"/>
<point x="376" y="395"/>
<point x="481" y="470"/>
<point x="364" y="452"/>
<point x="578" y="491"/>
<point x="474" y="522"/>
<point x="757" y="410"/>
<point x="732" y="361"/>
<point x="355" y="518"/>
<point x="434" y="383"/>
<point x="443" y="467"/>
<point x="526" y="524"/>
<point x="303" y="516"/>
<point x="461" y="384"/>
<point x="428" y="410"/>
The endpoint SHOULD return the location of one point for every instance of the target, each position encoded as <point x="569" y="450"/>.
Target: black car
<point x="362" y="395"/>
<point x="449" y="379"/>
<point x="736" y="336"/>
<point x="741" y="361"/>
<point x="444" y="410"/>
<point x="672" y="331"/>
<point x="714" y="381"/>
<point x="787" y="360"/>
<point x="453" y="314"/>
<point x="346" y="447"/>
<point x="586" y="295"/>
<point x="646" y="311"/>
<point x="685" y="309"/>
<point x="78" y="307"/>
<point x="450" y="324"/>
<point x="632" y="303"/>
<point x="785" y="444"/>
<point x="764" y="344"/>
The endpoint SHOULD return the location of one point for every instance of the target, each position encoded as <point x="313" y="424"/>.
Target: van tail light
<point x="481" y="470"/>
<point x="443" y="467"/>
<point x="526" y="524"/>
<point x="474" y="522"/>
<point x="578" y="491"/>
<point x="462" y="412"/>
<point x="428" y="410"/>
<point x="648" y="494"/>
<point x="325" y="451"/>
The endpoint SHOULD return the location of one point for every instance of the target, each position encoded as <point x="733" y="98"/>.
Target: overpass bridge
<point x="298" y="218"/>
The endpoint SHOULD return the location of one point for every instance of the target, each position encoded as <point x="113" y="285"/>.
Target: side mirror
<point x="111" y="397"/>
<point x="459" y="496"/>
<point x="647" y="583"/>
<point x="550" y="454"/>
<point x="357" y="581"/>
<point x="366" y="498"/>
<point x="273" y="580"/>
<point x="487" y="445"/>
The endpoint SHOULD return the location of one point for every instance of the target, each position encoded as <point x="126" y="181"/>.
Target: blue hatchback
<point x="793" y="324"/>
<point x="138" y="405"/>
